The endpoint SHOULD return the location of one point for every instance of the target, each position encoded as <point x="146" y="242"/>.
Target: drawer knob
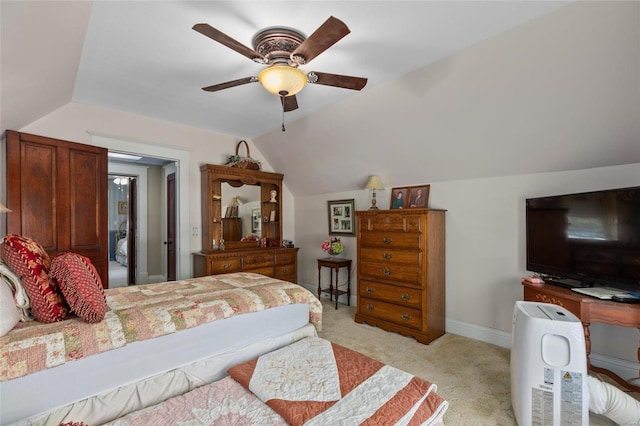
<point x="405" y="296"/>
<point x="386" y="256"/>
<point x="370" y="289"/>
<point x="387" y="240"/>
<point x="285" y="270"/>
<point x="405" y="317"/>
<point x="285" y="259"/>
<point x="226" y="266"/>
<point x="369" y="307"/>
<point x="386" y="271"/>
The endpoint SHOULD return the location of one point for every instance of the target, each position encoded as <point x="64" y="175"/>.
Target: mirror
<point x="246" y="218"/>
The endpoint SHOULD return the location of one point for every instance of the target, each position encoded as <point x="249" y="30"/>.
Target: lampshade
<point x="3" y="209"/>
<point x="282" y="80"/>
<point x="374" y="183"/>
<point x="235" y="201"/>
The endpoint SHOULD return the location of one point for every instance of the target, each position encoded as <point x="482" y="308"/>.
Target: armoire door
<point x="58" y="193"/>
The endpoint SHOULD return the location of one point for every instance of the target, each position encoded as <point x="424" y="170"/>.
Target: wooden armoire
<point x="57" y="191"/>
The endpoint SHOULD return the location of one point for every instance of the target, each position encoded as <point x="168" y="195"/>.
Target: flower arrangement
<point x="332" y="245"/>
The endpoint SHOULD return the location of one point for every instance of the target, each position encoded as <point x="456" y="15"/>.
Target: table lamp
<point x="374" y="184"/>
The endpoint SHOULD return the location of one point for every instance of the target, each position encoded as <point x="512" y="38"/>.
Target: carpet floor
<point x="473" y="376"/>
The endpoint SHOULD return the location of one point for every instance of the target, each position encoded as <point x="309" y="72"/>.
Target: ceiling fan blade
<point x="323" y="38"/>
<point x="231" y="43"/>
<point x="289" y="103"/>
<point x="229" y="84"/>
<point x="336" y="80"/>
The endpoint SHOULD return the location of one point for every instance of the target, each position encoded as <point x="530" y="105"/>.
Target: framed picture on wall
<point x="341" y="217"/>
<point x="255" y="220"/>
<point x="123" y="207"/>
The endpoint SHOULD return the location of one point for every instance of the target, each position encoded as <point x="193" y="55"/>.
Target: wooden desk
<point x="589" y="309"/>
<point x="335" y="264"/>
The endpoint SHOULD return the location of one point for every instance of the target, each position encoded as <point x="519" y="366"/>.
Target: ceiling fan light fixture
<point x="282" y="80"/>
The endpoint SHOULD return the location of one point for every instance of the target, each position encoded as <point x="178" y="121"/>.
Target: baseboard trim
<point x="625" y="369"/>
<point x="484" y="334"/>
<point x="156" y="279"/>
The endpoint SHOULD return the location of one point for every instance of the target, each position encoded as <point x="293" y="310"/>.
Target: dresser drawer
<point x="285" y="270"/>
<point x="402" y="315"/>
<point x="225" y="266"/>
<point x="391" y="222"/>
<point x="411" y="240"/>
<point x="258" y="260"/>
<point x="368" y="254"/>
<point x="285" y="259"/>
<point x="409" y="274"/>
<point x="410" y="297"/>
<point x="265" y="270"/>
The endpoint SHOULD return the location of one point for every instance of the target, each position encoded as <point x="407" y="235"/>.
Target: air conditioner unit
<point x="548" y="366"/>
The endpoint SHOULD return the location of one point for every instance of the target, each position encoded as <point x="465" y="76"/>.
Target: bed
<point x="121" y="244"/>
<point x="242" y="341"/>
<point x="158" y="341"/>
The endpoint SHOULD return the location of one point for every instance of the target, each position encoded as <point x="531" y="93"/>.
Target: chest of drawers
<point x="401" y="271"/>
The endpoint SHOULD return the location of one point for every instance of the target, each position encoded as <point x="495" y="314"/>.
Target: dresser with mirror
<point x="242" y="224"/>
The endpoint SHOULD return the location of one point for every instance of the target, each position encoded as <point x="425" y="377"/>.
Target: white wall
<point x="485" y="248"/>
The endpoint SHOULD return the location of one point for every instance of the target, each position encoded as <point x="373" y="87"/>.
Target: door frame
<point x="182" y="162"/>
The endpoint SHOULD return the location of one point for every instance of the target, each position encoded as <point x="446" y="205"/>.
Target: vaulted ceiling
<point x="144" y="58"/>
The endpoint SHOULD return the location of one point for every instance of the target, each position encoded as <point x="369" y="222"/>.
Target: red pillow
<point x="31" y="263"/>
<point x="80" y="285"/>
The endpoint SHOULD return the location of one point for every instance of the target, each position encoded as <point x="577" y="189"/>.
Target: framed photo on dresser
<point x="419" y="196"/>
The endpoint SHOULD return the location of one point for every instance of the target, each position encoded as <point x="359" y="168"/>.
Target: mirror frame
<point x="212" y="177"/>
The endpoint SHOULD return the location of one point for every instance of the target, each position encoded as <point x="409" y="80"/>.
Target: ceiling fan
<point x="283" y="51"/>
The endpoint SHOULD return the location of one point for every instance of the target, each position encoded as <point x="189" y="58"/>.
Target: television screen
<point x="591" y="237"/>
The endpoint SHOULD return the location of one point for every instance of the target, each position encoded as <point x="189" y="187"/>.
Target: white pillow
<point x="20" y="297"/>
<point x="9" y="313"/>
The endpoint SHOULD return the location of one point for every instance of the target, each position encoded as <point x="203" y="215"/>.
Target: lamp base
<point x="374" y="202"/>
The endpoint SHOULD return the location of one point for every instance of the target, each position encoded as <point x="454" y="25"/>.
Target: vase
<point x="333" y="253"/>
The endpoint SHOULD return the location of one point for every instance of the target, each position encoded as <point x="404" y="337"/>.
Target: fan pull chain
<point x="282" y="102"/>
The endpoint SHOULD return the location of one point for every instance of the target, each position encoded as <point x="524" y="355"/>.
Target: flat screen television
<point x="580" y="240"/>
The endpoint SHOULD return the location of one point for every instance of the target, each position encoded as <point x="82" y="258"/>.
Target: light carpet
<point x="473" y="376"/>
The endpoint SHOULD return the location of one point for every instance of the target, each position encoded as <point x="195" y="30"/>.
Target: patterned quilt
<point x="224" y="402"/>
<point x="316" y="382"/>
<point x="143" y="312"/>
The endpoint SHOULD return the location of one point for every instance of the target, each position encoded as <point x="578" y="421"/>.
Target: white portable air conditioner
<point x="548" y="366"/>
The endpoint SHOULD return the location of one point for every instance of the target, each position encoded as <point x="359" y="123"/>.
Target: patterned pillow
<point x="31" y="263"/>
<point x="80" y="285"/>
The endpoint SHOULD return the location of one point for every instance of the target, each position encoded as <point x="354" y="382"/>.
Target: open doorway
<point x="119" y="232"/>
<point x="138" y="225"/>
